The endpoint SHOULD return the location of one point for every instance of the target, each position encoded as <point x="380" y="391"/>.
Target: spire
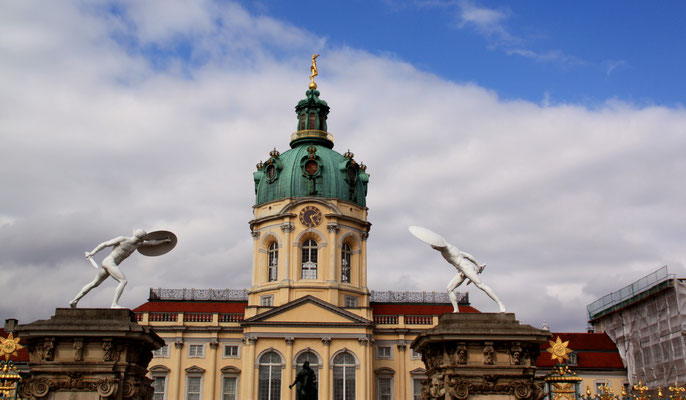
<point x="312" y="113"/>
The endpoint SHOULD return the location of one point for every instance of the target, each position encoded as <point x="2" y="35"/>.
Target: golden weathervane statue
<point x="313" y="71"/>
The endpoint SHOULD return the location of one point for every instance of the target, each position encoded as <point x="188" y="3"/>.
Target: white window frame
<point x="350" y="301"/>
<point x="381" y="356"/>
<point x="238" y="350"/>
<point x="188" y="377"/>
<point x="415" y="355"/>
<point x="417" y="383"/>
<point x="573" y="359"/>
<point x="378" y="385"/>
<point x="156" y="376"/>
<point x="346" y="261"/>
<point x="230" y="376"/>
<point x="162" y="352"/>
<point x="273" y="262"/>
<point x="195" y="346"/>
<point x="267" y="301"/>
<point x="309" y="269"/>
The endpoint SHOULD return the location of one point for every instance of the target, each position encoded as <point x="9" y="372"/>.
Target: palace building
<point x="308" y="300"/>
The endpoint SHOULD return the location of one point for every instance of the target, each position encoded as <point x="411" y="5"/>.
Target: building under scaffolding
<point x="646" y="320"/>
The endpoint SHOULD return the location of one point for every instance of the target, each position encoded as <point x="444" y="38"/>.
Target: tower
<point x="310" y="219"/>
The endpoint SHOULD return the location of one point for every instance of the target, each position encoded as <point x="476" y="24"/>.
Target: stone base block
<point x="88" y="354"/>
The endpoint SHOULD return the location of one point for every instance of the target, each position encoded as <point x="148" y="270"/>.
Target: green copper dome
<point x="311" y="168"/>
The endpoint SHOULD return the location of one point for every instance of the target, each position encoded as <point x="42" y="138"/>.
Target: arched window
<point x="269" y="383"/>
<point x="273" y="262"/>
<point x="309" y="260"/>
<point x="344" y="377"/>
<point x="346" y="252"/>
<point x="312" y="359"/>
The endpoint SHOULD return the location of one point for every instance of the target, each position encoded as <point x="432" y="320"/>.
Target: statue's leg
<point x="99" y="278"/>
<point x="116" y="273"/>
<point x="474" y="277"/>
<point x="452" y="285"/>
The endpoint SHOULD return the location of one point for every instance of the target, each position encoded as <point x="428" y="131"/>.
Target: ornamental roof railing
<point x="416" y="297"/>
<point x="312" y="133"/>
<point x="242" y="295"/>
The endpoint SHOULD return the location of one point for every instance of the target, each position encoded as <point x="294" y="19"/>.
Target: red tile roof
<point x="193" y="306"/>
<point x="22" y="354"/>
<point x="417" y="309"/>
<point x="593" y="350"/>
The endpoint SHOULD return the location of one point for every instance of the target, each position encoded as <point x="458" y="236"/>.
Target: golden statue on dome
<point x="313" y="71"/>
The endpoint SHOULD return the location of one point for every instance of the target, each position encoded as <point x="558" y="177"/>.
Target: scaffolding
<point x="646" y="321"/>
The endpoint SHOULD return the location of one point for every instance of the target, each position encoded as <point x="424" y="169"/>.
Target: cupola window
<point x="313" y="121"/>
<point x="273" y="261"/>
<point x="309" y="260"/>
<point x="346" y="253"/>
<point x="311" y="167"/>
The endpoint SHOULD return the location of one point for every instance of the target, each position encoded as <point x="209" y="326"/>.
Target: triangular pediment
<point x="307" y="310"/>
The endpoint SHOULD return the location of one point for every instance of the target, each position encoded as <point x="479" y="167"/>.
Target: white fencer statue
<point x="467" y="267"/>
<point x="156" y="243"/>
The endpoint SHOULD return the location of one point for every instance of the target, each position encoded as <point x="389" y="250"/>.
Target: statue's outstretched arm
<point x="155" y="242"/>
<point x="470" y="258"/>
<point x="108" y="243"/>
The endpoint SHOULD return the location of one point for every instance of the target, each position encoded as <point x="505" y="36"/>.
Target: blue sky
<point x="564" y="51"/>
<point x="546" y="139"/>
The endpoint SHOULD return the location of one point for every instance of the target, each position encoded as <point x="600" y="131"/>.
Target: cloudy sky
<point x="549" y="142"/>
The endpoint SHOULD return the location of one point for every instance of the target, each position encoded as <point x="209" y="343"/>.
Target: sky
<point x="547" y="139"/>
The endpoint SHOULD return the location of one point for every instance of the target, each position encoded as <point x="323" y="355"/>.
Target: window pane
<point x="158" y="388"/>
<point x="229" y="390"/>
<point x="416" y="389"/>
<point x="384" y="388"/>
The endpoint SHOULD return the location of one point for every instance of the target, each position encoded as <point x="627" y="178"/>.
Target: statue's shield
<point x="158" y="249"/>
<point x="428" y="236"/>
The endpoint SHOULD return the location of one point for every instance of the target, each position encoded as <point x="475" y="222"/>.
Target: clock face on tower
<point x="310" y="216"/>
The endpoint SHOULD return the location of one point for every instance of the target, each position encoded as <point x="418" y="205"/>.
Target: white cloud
<point x="492" y="24"/>
<point x="98" y="140"/>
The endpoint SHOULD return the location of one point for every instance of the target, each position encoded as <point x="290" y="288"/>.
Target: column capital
<point x="178" y="343"/>
<point x="326" y="341"/>
<point x="255" y="234"/>
<point x="332" y="227"/>
<point x="289" y="340"/>
<point x="364" y="236"/>
<point x="363" y="341"/>
<point x="214" y="344"/>
<point x="287" y="227"/>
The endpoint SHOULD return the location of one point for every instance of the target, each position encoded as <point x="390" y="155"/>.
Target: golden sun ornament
<point x="558" y="349"/>
<point x="9" y="346"/>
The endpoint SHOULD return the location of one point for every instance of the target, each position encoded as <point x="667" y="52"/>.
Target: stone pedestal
<point x="88" y="354"/>
<point x="481" y="356"/>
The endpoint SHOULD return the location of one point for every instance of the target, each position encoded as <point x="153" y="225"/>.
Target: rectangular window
<point x="414" y="355"/>
<point x="384" y="388"/>
<point x="162" y="352"/>
<point x="231" y="351"/>
<point x="350" y="301"/>
<point x="383" y="351"/>
<point x="193" y="387"/>
<point x="230" y="388"/>
<point x="159" y="384"/>
<point x="196" y="351"/>
<point x="417" y="389"/>
<point x="267" y="301"/>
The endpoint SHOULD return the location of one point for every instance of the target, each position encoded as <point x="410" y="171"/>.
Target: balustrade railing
<point x="162" y="317"/>
<point x="386" y="319"/>
<point x="197" y="317"/>
<point x="230" y="317"/>
<point x="419" y="319"/>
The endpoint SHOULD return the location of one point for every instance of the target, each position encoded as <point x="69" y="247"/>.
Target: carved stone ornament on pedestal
<point x="90" y="354"/>
<point x="480" y="356"/>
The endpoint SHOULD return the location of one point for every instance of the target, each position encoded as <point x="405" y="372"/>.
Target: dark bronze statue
<point x="307" y="383"/>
